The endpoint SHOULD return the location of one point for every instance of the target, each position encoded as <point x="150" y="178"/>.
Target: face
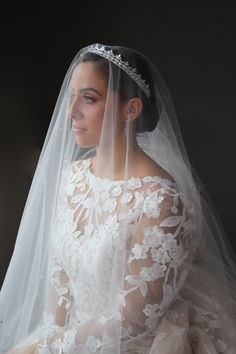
<point x="89" y="97"/>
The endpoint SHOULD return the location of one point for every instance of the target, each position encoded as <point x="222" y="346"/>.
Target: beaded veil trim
<point x="124" y="65"/>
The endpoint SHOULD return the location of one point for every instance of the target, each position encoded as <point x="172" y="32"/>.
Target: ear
<point x="133" y="108"/>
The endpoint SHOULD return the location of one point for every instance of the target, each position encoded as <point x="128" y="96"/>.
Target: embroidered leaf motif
<point x="171" y="221"/>
<point x="143" y="288"/>
<point x="133" y="279"/>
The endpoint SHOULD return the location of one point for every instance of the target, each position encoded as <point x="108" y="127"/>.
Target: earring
<point x="128" y="120"/>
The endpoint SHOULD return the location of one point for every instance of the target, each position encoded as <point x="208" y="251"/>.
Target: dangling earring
<point x="128" y="120"/>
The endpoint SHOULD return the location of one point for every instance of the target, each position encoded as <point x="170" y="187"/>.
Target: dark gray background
<point x="193" y="48"/>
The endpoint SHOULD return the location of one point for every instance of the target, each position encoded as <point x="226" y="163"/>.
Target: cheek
<point x="97" y="116"/>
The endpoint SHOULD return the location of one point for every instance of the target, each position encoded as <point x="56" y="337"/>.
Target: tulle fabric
<point x="114" y="256"/>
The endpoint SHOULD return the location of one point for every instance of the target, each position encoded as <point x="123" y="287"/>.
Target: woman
<point x="118" y="250"/>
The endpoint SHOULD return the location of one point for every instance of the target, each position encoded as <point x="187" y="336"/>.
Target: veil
<point x="114" y="126"/>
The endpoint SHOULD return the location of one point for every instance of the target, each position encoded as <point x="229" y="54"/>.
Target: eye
<point x="89" y="99"/>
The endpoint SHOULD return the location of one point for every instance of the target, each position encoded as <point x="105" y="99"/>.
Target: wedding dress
<point x="112" y="266"/>
<point x="155" y="235"/>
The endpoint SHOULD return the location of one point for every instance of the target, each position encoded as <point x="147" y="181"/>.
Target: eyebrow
<point x="91" y="89"/>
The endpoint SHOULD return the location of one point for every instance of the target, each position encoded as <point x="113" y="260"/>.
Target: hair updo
<point x="126" y="87"/>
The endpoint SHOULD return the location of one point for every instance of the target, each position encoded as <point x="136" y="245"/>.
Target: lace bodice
<point x="120" y="254"/>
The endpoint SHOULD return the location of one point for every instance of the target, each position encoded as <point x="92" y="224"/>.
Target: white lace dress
<point x="121" y="254"/>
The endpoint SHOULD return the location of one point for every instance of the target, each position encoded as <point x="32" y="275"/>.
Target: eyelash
<point x="89" y="99"/>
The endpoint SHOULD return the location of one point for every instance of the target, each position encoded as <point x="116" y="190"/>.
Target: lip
<point x="78" y="130"/>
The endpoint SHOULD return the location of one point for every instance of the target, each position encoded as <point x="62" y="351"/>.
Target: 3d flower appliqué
<point x="126" y="198"/>
<point x="152" y="205"/>
<point x="139" y="252"/>
<point x="134" y="183"/>
<point x="109" y="205"/>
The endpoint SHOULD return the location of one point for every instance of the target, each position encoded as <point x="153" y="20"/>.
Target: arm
<point x="158" y="261"/>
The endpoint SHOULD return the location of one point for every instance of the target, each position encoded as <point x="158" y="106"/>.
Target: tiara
<point x="124" y="65"/>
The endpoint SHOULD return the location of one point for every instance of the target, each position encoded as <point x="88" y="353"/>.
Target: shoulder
<point x="162" y="193"/>
<point x="148" y="167"/>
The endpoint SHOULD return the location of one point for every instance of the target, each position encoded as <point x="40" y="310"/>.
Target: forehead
<point x="85" y="75"/>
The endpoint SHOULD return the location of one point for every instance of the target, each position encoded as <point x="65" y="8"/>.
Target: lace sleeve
<point x="59" y="299"/>
<point x="58" y="305"/>
<point x="158" y="261"/>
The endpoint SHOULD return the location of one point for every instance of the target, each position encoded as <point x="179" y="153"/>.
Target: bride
<point x="119" y="249"/>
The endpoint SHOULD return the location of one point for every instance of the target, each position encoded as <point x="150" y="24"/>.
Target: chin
<point x="84" y="143"/>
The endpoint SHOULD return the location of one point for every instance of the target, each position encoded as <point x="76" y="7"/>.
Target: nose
<point x="74" y="110"/>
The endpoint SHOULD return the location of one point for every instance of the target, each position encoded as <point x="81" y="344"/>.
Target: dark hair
<point x="126" y="87"/>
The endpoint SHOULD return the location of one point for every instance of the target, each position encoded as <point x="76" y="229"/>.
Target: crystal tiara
<point x="124" y="65"/>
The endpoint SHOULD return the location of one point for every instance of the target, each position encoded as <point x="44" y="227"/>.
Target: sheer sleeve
<point x="157" y="263"/>
<point x="59" y="299"/>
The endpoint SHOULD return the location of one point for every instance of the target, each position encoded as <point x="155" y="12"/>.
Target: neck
<point x="112" y="163"/>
